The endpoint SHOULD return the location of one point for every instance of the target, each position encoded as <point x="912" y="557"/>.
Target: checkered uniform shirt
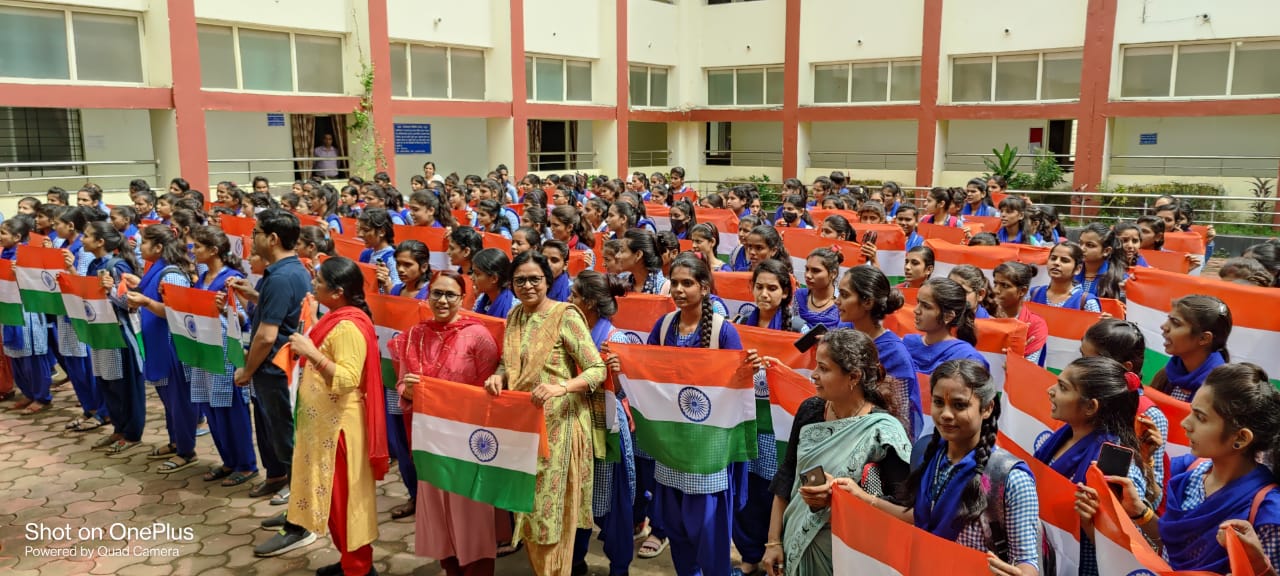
<point x="685" y="481"/>
<point x="1268" y="534"/>
<point x="1021" y="514"/>
<point x="176" y="279"/>
<point x="602" y="488"/>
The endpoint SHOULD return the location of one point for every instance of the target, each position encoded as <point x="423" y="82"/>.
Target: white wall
<point x="740" y="34"/>
<point x="127" y="5"/>
<point x="1139" y="21"/>
<point x="324" y="15"/>
<point x="650" y="37"/>
<point x="1221" y="136"/>
<point x="441" y="21"/>
<point x="757" y="136"/>
<point x="977" y="26"/>
<point x="244" y="135"/>
<point x="981" y="136"/>
<point x="830" y="30"/>
<point x="457" y="145"/>
<point x="564" y="27"/>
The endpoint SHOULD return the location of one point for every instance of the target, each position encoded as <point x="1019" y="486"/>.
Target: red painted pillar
<point x="791" y="92"/>
<point x="623" y="93"/>
<point x="188" y="105"/>
<point x="380" y="57"/>
<point x="519" y="98"/>
<point x="927" y="123"/>
<point x="1095" y="87"/>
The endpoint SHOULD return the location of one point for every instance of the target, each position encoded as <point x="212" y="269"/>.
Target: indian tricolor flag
<point x="1175" y="411"/>
<point x="891" y="249"/>
<point x="801" y="243"/>
<point x="391" y="316"/>
<point x="1067" y="327"/>
<point x="1037" y="257"/>
<point x="637" y="314"/>
<point x="1121" y="548"/>
<point x="947" y="256"/>
<point x="696" y="415"/>
<point x="868" y="542"/>
<point x="787" y="390"/>
<point x="434" y="238"/>
<point x="483" y="447"/>
<point x="196" y="325"/>
<point x="778" y="344"/>
<point x="1255" y="333"/>
<point x="11" y="313"/>
<point x="37" y="274"/>
<point x="726" y="222"/>
<point x="90" y="312"/>
<point x="735" y="289"/>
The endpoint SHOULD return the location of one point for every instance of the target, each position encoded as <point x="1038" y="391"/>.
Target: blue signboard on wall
<point x="275" y="119"/>
<point x="1148" y="139"/>
<point x="413" y="138"/>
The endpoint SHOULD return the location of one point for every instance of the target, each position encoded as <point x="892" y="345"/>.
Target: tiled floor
<point x="51" y="479"/>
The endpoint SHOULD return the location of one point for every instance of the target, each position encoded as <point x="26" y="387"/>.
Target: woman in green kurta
<point x="546" y="344"/>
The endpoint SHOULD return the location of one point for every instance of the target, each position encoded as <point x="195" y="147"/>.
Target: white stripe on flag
<point x="1245" y="344"/>
<point x="892" y="262"/>
<point x="202" y="329"/>
<point x="782" y="422"/>
<point x="611" y="412"/>
<point x="1067" y="548"/>
<point x="516" y="450"/>
<point x="1061" y="352"/>
<point x="728" y="243"/>
<point x="1025" y="430"/>
<point x="659" y="402"/>
<point x="384" y="336"/>
<point x="997" y="361"/>
<point x="34" y="279"/>
<point x="850" y="562"/>
<point x="9" y="292"/>
<point x="1114" y="559"/>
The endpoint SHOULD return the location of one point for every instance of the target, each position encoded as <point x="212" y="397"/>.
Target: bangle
<point x="773" y="544"/>
<point x="1145" y="518"/>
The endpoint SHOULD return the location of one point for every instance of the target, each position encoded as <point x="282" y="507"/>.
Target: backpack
<point x="717" y="324"/>
<point x="999" y="465"/>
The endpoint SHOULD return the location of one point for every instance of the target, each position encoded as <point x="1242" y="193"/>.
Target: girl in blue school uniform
<point x="1195" y="337"/>
<point x="865" y="300"/>
<point x="1066" y="261"/>
<point x="27" y="346"/>
<point x="491" y="275"/>
<point x="738" y="260"/>
<point x="378" y="234"/>
<point x="1129" y="237"/>
<point x="69" y="351"/>
<point x="816" y="302"/>
<point x="695" y="512"/>
<point x="215" y="394"/>
<point x="117" y="372"/>
<point x="942" y="306"/>
<point x="794" y="214"/>
<point x="977" y="201"/>
<point x="557" y="255"/>
<point x="161" y="367"/>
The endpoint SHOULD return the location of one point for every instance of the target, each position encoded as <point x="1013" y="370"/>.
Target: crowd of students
<point x="930" y="461"/>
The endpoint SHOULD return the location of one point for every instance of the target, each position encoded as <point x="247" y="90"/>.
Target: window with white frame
<point x="648" y="86"/>
<point x="551" y="79"/>
<point x="85" y="46"/>
<point x="863" y="82"/>
<point x="237" y="58"/>
<point x="759" y="86"/>
<point x="1016" y="77"/>
<point x="437" y="72"/>
<point x="1201" y="69"/>
<point x="41" y="135"/>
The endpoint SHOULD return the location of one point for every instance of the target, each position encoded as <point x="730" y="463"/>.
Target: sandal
<point x="106" y="441"/>
<point x="176" y="463"/>
<point x="35" y="408"/>
<point x="162" y="452"/>
<point x="404" y="510"/>
<point x="20" y="404"/>
<point x="642" y="533"/>
<point x="239" y="478"/>
<point x="217" y="473"/>
<point x="120" y="446"/>
<point x="87" y="424"/>
<point x="507" y="549"/>
<point x="652" y="547"/>
<point x="72" y="425"/>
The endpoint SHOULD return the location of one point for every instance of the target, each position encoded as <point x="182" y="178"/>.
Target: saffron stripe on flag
<point x="865" y="540"/>
<point x="196" y="326"/>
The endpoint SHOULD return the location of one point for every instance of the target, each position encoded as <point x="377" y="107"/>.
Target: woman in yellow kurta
<point x="546" y="344"/>
<point x="341" y="444"/>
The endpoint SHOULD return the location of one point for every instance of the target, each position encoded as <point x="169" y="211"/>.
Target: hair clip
<point x="1222" y="309"/>
<point x="1133" y="381"/>
<point x="835" y="248"/>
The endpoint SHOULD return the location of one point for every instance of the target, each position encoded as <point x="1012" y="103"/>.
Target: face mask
<point x="790" y="217"/>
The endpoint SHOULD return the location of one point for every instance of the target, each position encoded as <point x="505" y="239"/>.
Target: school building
<point x="917" y="91"/>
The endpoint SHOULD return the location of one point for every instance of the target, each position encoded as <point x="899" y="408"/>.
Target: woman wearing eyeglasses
<point x="546" y="344"/>
<point x="457" y="530"/>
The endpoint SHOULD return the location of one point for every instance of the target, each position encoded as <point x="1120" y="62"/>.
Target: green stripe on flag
<point x="503" y="488"/>
<point x="11" y="314"/>
<point x="1154" y="360"/>
<point x="42" y="302"/>
<point x="764" y="416"/>
<point x="389" y="376"/>
<point x="695" y="448"/>
<point x="197" y="354"/>
<point x="99" y="336"/>
<point x="235" y="351"/>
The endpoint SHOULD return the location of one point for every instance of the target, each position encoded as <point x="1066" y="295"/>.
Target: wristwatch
<point x="564" y="384"/>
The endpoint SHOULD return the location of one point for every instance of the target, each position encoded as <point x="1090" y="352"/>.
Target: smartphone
<point x="815" y="476"/>
<point x="1114" y="460"/>
<point x="870" y="237"/>
<point x="810" y="338"/>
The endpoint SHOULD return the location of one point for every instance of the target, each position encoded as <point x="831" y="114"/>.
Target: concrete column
<point x="164" y="146"/>
<point x="604" y="135"/>
<point x="500" y="137"/>
<point x="685" y="140"/>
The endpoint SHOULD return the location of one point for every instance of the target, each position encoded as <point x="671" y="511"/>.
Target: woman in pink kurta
<point x="455" y="529"/>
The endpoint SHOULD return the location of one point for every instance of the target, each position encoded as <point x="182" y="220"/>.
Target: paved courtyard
<point x="50" y="480"/>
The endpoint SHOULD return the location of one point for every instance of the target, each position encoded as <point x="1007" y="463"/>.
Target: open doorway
<point x="719" y="143"/>
<point x="322" y="137"/>
<point x="553" y="145"/>
<point x="1059" y="143"/>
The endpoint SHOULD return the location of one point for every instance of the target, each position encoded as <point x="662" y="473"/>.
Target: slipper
<point x="404" y="510"/>
<point x="176" y="463"/>
<point x="120" y="446"/>
<point x="88" y="424"/>
<point x="239" y="478"/>
<point x="20" y="404"/>
<point x="643" y="533"/>
<point x="651" y="550"/>
<point x="35" y="408"/>
<point x="217" y="473"/>
<point x="105" y="441"/>
<point x="162" y="452"/>
<point x="268" y="487"/>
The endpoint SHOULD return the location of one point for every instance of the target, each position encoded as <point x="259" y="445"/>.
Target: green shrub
<point x="1114" y="200"/>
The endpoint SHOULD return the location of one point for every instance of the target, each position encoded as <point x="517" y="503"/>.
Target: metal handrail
<point x="570" y="160"/>
<point x="768" y="158"/>
<point x="76" y="170"/>
<point x="1150" y="164"/>
<point x="249" y="171"/>
<point x="297" y="159"/>
<point x="7" y="165"/>
<point x="842" y="160"/>
<point x="650" y="156"/>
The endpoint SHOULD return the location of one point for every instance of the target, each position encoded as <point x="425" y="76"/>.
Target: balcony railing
<point x="544" y="161"/>
<point x="770" y="158"/>
<point x="972" y="162"/>
<point x="863" y="160"/>
<point x="1191" y="166"/>
<point x="649" y="157"/>
<point x="242" y="170"/>
<point x="33" y="178"/>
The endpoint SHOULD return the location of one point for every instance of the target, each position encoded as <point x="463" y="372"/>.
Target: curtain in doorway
<point x="302" y="128"/>
<point x="535" y="144"/>
<point x="340" y="141"/>
<point x="572" y="152"/>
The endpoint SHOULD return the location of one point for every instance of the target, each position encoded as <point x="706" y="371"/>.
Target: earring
<point x="1236" y="445"/>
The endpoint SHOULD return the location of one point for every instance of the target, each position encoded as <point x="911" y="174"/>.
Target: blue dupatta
<point x="1076" y="460"/>
<point x="1193" y="533"/>
<point x="927" y="358"/>
<point x="1178" y="376"/>
<point x="500" y="306"/>
<point x="938" y="516"/>
<point x="559" y="290"/>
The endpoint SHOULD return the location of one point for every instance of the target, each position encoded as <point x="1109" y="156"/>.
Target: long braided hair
<point x="976" y="378"/>
<point x="702" y="275"/>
